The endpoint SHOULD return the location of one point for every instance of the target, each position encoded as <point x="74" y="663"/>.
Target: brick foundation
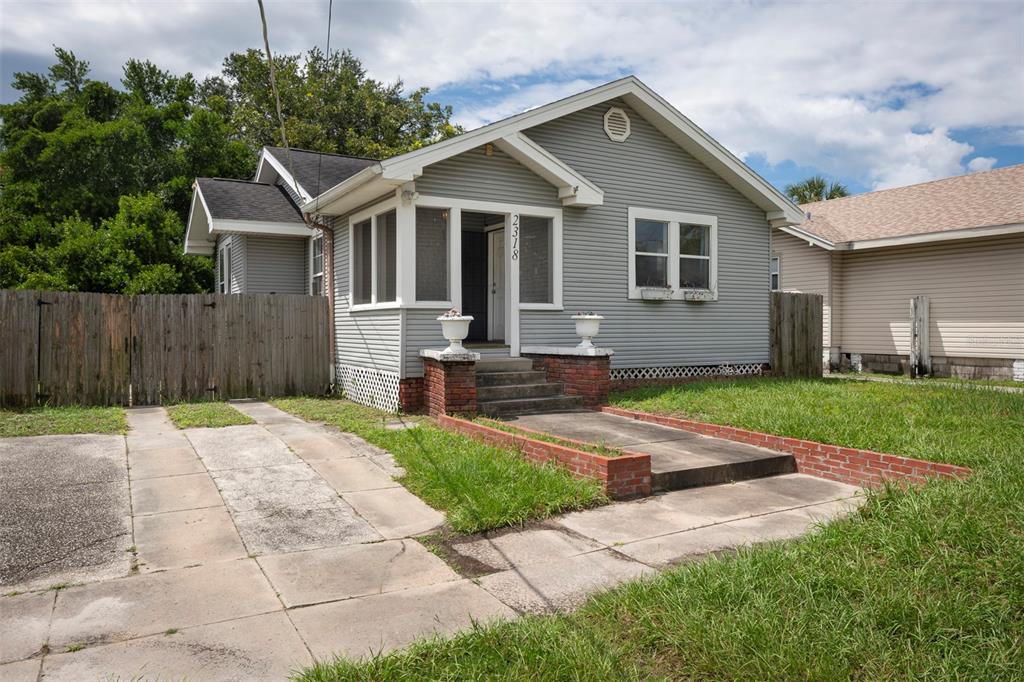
<point x="626" y="476"/>
<point x="449" y="386"/>
<point x="582" y="375"/>
<point x="410" y="395"/>
<point x="846" y="465"/>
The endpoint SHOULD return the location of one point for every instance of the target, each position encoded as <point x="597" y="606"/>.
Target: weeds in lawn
<point x="43" y="421"/>
<point x="206" y="415"/>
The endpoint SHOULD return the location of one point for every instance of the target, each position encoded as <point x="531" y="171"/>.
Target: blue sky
<point x="873" y="94"/>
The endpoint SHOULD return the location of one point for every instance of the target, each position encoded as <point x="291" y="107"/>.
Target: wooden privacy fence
<point x="796" y="334"/>
<point x="107" y="349"/>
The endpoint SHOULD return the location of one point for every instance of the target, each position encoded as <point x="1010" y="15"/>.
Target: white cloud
<point x="816" y="84"/>
<point x="981" y="163"/>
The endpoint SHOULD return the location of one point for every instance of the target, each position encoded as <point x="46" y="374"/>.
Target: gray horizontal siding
<point x="422" y="330"/>
<point x="474" y="175"/>
<point x="650" y="171"/>
<point x="369" y="339"/>
<point x="275" y="265"/>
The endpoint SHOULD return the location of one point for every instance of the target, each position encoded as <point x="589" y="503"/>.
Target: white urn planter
<point x="455" y="329"/>
<point x="587" y="327"/>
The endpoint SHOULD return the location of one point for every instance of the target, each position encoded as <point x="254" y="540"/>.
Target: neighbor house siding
<point x="975" y="289"/>
<point x="805" y="269"/>
<point x="274" y="265"/>
<point x="650" y="171"/>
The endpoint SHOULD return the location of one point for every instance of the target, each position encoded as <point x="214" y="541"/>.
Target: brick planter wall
<point x="410" y="395"/>
<point x="585" y="376"/>
<point x="449" y="386"/>
<point x="626" y="476"/>
<point x="846" y="465"/>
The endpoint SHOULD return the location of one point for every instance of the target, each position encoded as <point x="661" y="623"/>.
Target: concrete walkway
<point x="260" y="548"/>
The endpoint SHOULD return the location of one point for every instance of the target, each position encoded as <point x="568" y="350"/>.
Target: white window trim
<point x="454" y="256"/>
<point x="674" y="219"/>
<point x="223" y="265"/>
<point x="313" y="273"/>
<point x="371" y="214"/>
<point x="777" y="261"/>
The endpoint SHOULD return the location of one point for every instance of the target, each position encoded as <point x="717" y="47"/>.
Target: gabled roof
<point x="990" y="202"/>
<point x="222" y="206"/>
<point x="388" y="174"/>
<point x="313" y="171"/>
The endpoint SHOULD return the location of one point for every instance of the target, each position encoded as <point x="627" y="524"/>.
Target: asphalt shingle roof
<point x="333" y="168"/>
<point x="243" y="200"/>
<point x="984" y="199"/>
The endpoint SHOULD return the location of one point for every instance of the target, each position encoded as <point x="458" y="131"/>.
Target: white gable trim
<point x="812" y="239"/>
<point x="906" y="240"/>
<point x="267" y="158"/>
<point x="199" y="241"/>
<point x="573" y="188"/>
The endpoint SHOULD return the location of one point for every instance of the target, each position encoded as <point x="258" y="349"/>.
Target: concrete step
<point x="513" y="391"/>
<point x="510" y="378"/>
<point x="501" y="408"/>
<point x="771" y="464"/>
<point x="485" y="365"/>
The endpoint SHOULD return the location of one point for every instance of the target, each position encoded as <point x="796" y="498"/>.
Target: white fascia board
<point x="279" y="167"/>
<point x="811" y="238"/>
<point x="966" y="233"/>
<point x="335" y="200"/>
<point x="198" y="241"/>
<point x="573" y="188"/>
<point x="260" y="227"/>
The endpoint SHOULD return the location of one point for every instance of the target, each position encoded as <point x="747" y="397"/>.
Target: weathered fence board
<point x="105" y="349"/>
<point x="796" y="334"/>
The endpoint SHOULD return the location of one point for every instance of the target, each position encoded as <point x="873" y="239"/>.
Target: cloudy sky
<point x="876" y="94"/>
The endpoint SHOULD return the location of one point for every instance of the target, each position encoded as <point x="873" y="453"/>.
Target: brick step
<point x="500" y="408"/>
<point x="510" y="378"/>
<point x="513" y="391"/>
<point x="486" y="365"/>
<point x="771" y="464"/>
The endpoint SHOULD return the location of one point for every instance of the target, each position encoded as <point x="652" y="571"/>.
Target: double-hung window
<point x="776" y="274"/>
<point x="373" y="259"/>
<point x="672" y="254"/>
<point x="316" y="265"/>
<point x="223" y="267"/>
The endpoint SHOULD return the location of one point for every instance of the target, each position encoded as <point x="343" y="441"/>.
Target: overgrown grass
<point x="478" y="486"/>
<point x="595" y="448"/>
<point x="935" y="423"/>
<point x="42" y="421"/>
<point x="206" y="415"/>
<point x="924" y="583"/>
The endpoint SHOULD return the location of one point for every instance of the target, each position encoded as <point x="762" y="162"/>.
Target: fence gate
<point x="796" y="334"/>
<point x="106" y="349"/>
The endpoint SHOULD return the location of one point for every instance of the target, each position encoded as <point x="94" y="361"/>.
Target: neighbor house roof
<point x="313" y="171"/>
<point x="510" y="135"/>
<point x="239" y="206"/>
<point x="989" y="202"/>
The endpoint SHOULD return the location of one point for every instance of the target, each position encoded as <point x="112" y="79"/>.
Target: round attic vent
<point x="616" y="125"/>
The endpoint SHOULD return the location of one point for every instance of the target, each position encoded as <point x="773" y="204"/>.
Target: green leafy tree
<point x="815" y="188"/>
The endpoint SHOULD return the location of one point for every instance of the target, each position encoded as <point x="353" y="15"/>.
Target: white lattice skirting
<point x="686" y="372"/>
<point x="370" y="386"/>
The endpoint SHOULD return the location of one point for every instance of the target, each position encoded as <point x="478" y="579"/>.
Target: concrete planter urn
<point x="454" y="328"/>
<point x="587" y="326"/>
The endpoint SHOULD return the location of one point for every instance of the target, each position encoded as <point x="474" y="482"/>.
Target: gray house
<point x="608" y="201"/>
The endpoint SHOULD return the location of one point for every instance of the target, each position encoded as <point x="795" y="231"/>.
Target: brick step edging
<point x="846" y="465"/>
<point x="623" y="477"/>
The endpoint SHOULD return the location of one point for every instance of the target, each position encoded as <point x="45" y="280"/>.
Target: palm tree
<point x="815" y="188"/>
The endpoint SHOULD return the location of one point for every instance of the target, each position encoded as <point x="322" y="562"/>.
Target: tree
<point x="815" y="188"/>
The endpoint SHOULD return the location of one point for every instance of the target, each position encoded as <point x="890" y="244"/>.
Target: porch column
<point x="405" y="250"/>
<point x="513" y="249"/>
<point x="449" y="382"/>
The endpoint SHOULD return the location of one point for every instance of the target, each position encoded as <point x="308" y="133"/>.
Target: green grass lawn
<point x="206" y="415"/>
<point x="41" y="421"/>
<point x="1010" y="383"/>
<point x="478" y="486"/>
<point x="921" y="583"/>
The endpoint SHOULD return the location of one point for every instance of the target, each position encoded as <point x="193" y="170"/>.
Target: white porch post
<point x="512" y="252"/>
<point x="455" y="257"/>
<point x="405" y="248"/>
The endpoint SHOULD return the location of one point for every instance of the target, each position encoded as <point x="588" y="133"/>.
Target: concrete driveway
<point x="247" y="552"/>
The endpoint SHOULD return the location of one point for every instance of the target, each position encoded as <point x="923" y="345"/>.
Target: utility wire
<point x="320" y="157"/>
<point x="277" y="96"/>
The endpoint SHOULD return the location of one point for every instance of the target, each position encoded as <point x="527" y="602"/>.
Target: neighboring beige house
<point x="958" y="241"/>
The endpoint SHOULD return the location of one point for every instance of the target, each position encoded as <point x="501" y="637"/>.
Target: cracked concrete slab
<point x="561" y="584"/>
<point x="314" y="577"/>
<point x="65" y="511"/>
<point x="395" y="512"/>
<point x="502" y="551"/>
<point x="186" y="538"/>
<point x="270" y="489"/>
<point x="264" y="647"/>
<point x="174" y="493"/>
<point x="149" y="604"/>
<point x="239" y="447"/>
<point x="354" y="474"/>
<point x="22" y="671"/>
<point x="163" y="462"/>
<point x="361" y="627"/>
<point x="295" y="530"/>
<point x="24" y="622"/>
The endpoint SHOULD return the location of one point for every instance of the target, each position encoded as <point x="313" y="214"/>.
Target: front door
<point x="496" y="272"/>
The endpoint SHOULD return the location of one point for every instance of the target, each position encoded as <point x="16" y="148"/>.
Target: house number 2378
<point x="515" y="236"/>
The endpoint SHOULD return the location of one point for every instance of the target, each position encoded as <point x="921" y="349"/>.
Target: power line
<point x="320" y="157"/>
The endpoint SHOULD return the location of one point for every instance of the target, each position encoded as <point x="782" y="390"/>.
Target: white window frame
<point x="222" y="267"/>
<point x="371" y="214"/>
<point x="674" y="220"/>
<point x="775" y="273"/>
<point x="454" y="256"/>
<point x="313" y="274"/>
